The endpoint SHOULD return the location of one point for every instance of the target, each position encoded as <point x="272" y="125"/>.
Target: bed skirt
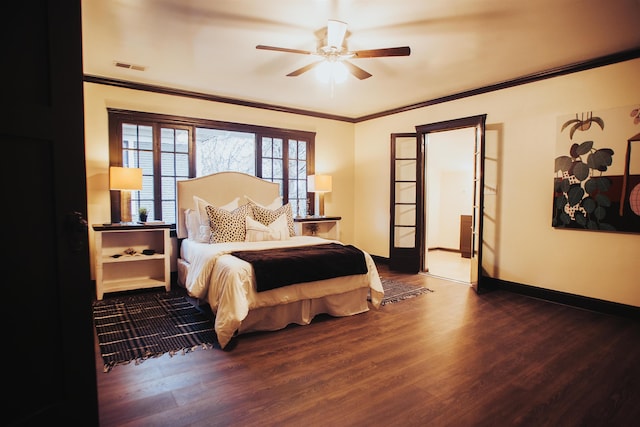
<point x="303" y="312"/>
<point x="297" y="312"/>
<point x="183" y="269"/>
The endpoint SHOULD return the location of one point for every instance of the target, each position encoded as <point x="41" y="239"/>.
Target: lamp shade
<point x="125" y="178"/>
<point x="319" y="183"/>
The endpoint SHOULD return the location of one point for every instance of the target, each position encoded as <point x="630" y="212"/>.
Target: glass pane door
<point x="406" y="190"/>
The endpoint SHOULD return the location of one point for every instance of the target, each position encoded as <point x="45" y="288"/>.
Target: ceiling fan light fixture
<point x="331" y="71"/>
<point x="333" y="64"/>
<point x="336" y="31"/>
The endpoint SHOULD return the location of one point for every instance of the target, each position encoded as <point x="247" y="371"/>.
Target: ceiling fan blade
<point x="283" y="49"/>
<point x="356" y="71"/>
<point x="303" y="69"/>
<point x="377" y="53"/>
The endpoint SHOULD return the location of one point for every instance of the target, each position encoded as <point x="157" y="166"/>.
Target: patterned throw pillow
<point x="204" y="228"/>
<point x="275" y="204"/>
<point x="267" y="216"/>
<point x="228" y="226"/>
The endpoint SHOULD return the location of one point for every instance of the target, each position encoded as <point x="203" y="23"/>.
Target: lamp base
<point x="321" y="204"/>
<point x="125" y="207"/>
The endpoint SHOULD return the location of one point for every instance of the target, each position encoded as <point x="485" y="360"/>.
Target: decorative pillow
<point x="275" y="204"/>
<point x="204" y="231"/>
<point x="258" y="232"/>
<point x="228" y="226"/>
<point x="267" y="216"/>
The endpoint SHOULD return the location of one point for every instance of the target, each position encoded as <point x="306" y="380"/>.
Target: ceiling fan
<point x="334" y="51"/>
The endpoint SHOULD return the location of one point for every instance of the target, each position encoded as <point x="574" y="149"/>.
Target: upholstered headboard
<point x="220" y="189"/>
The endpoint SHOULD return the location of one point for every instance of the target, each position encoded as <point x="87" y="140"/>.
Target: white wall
<point x="449" y="185"/>
<point x="527" y="249"/>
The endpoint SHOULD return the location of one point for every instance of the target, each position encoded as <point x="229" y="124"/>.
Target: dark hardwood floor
<point x="447" y="358"/>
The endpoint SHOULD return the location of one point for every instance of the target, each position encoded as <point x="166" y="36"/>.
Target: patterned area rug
<point x="141" y="326"/>
<point x="397" y="291"/>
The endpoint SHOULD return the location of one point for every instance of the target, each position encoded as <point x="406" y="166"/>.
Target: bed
<point x="230" y="227"/>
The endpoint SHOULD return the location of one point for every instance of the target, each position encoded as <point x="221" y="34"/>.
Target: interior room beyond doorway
<point x="449" y="265"/>
<point x="448" y="195"/>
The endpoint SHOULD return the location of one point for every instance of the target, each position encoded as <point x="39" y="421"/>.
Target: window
<point x="170" y="148"/>
<point x="220" y="150"/>
<point x="297" y="177"/>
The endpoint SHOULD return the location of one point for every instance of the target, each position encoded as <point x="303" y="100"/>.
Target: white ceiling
<point x="208" y="46"/>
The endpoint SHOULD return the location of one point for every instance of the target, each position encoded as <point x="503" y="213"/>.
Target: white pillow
<point x="191" y="222"/>
<point x="258" y="232"/>
<point x="203" y="234"/>
<point x="275" y="204"/>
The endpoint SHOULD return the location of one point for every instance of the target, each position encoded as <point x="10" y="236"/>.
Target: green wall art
<point x="597" y="171"/>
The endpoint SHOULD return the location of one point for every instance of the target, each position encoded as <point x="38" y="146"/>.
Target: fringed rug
<point x="395" y="291"/>
<point x="141" y="326"/>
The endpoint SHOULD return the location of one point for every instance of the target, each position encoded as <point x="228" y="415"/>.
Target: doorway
<point x="477" y="125"/>
<point x="449" y="169"/>
<point x="408" y="243"/>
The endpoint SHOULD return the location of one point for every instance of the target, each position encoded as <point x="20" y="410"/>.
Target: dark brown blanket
<point x="274" y="268"/>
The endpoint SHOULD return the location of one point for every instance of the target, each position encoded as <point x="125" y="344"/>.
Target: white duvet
<point x="227" y="284"/>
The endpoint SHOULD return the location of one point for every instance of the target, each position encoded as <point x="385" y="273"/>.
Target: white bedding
<point x="227" y="284"/>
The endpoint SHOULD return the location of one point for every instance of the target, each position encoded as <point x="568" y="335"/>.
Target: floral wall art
<point x="597" y="171"/>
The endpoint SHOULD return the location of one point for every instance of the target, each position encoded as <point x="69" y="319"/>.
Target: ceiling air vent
<point x="130" y="66"/>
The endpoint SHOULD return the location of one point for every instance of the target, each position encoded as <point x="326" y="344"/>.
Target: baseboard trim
<point x="573" y="300"/>
<point x="438" y="248"/>
<point x="578" y="301"/>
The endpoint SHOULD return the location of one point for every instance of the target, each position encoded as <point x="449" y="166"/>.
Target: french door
<point x="407" y="203"/>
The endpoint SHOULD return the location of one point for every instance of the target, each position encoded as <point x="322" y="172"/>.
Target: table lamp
<point x="319" y="184"/>
<point x="125" y="180"/>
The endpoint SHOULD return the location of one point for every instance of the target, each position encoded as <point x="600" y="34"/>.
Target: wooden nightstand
<point x="118" y="271"/>
<point x="321" y="226"/>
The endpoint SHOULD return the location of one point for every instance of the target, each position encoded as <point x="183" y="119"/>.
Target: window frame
<point x="118" y="117"/>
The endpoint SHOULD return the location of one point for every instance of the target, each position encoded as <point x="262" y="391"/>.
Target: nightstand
<point x="321" y="226"/>
<point x="146" y="266"/>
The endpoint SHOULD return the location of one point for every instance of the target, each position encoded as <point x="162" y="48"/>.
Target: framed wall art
<point x="597" y="171"/>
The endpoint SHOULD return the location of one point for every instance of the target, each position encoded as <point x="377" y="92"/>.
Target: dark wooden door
<point x="49" y="355"/>
<point x="406" y="203"/>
